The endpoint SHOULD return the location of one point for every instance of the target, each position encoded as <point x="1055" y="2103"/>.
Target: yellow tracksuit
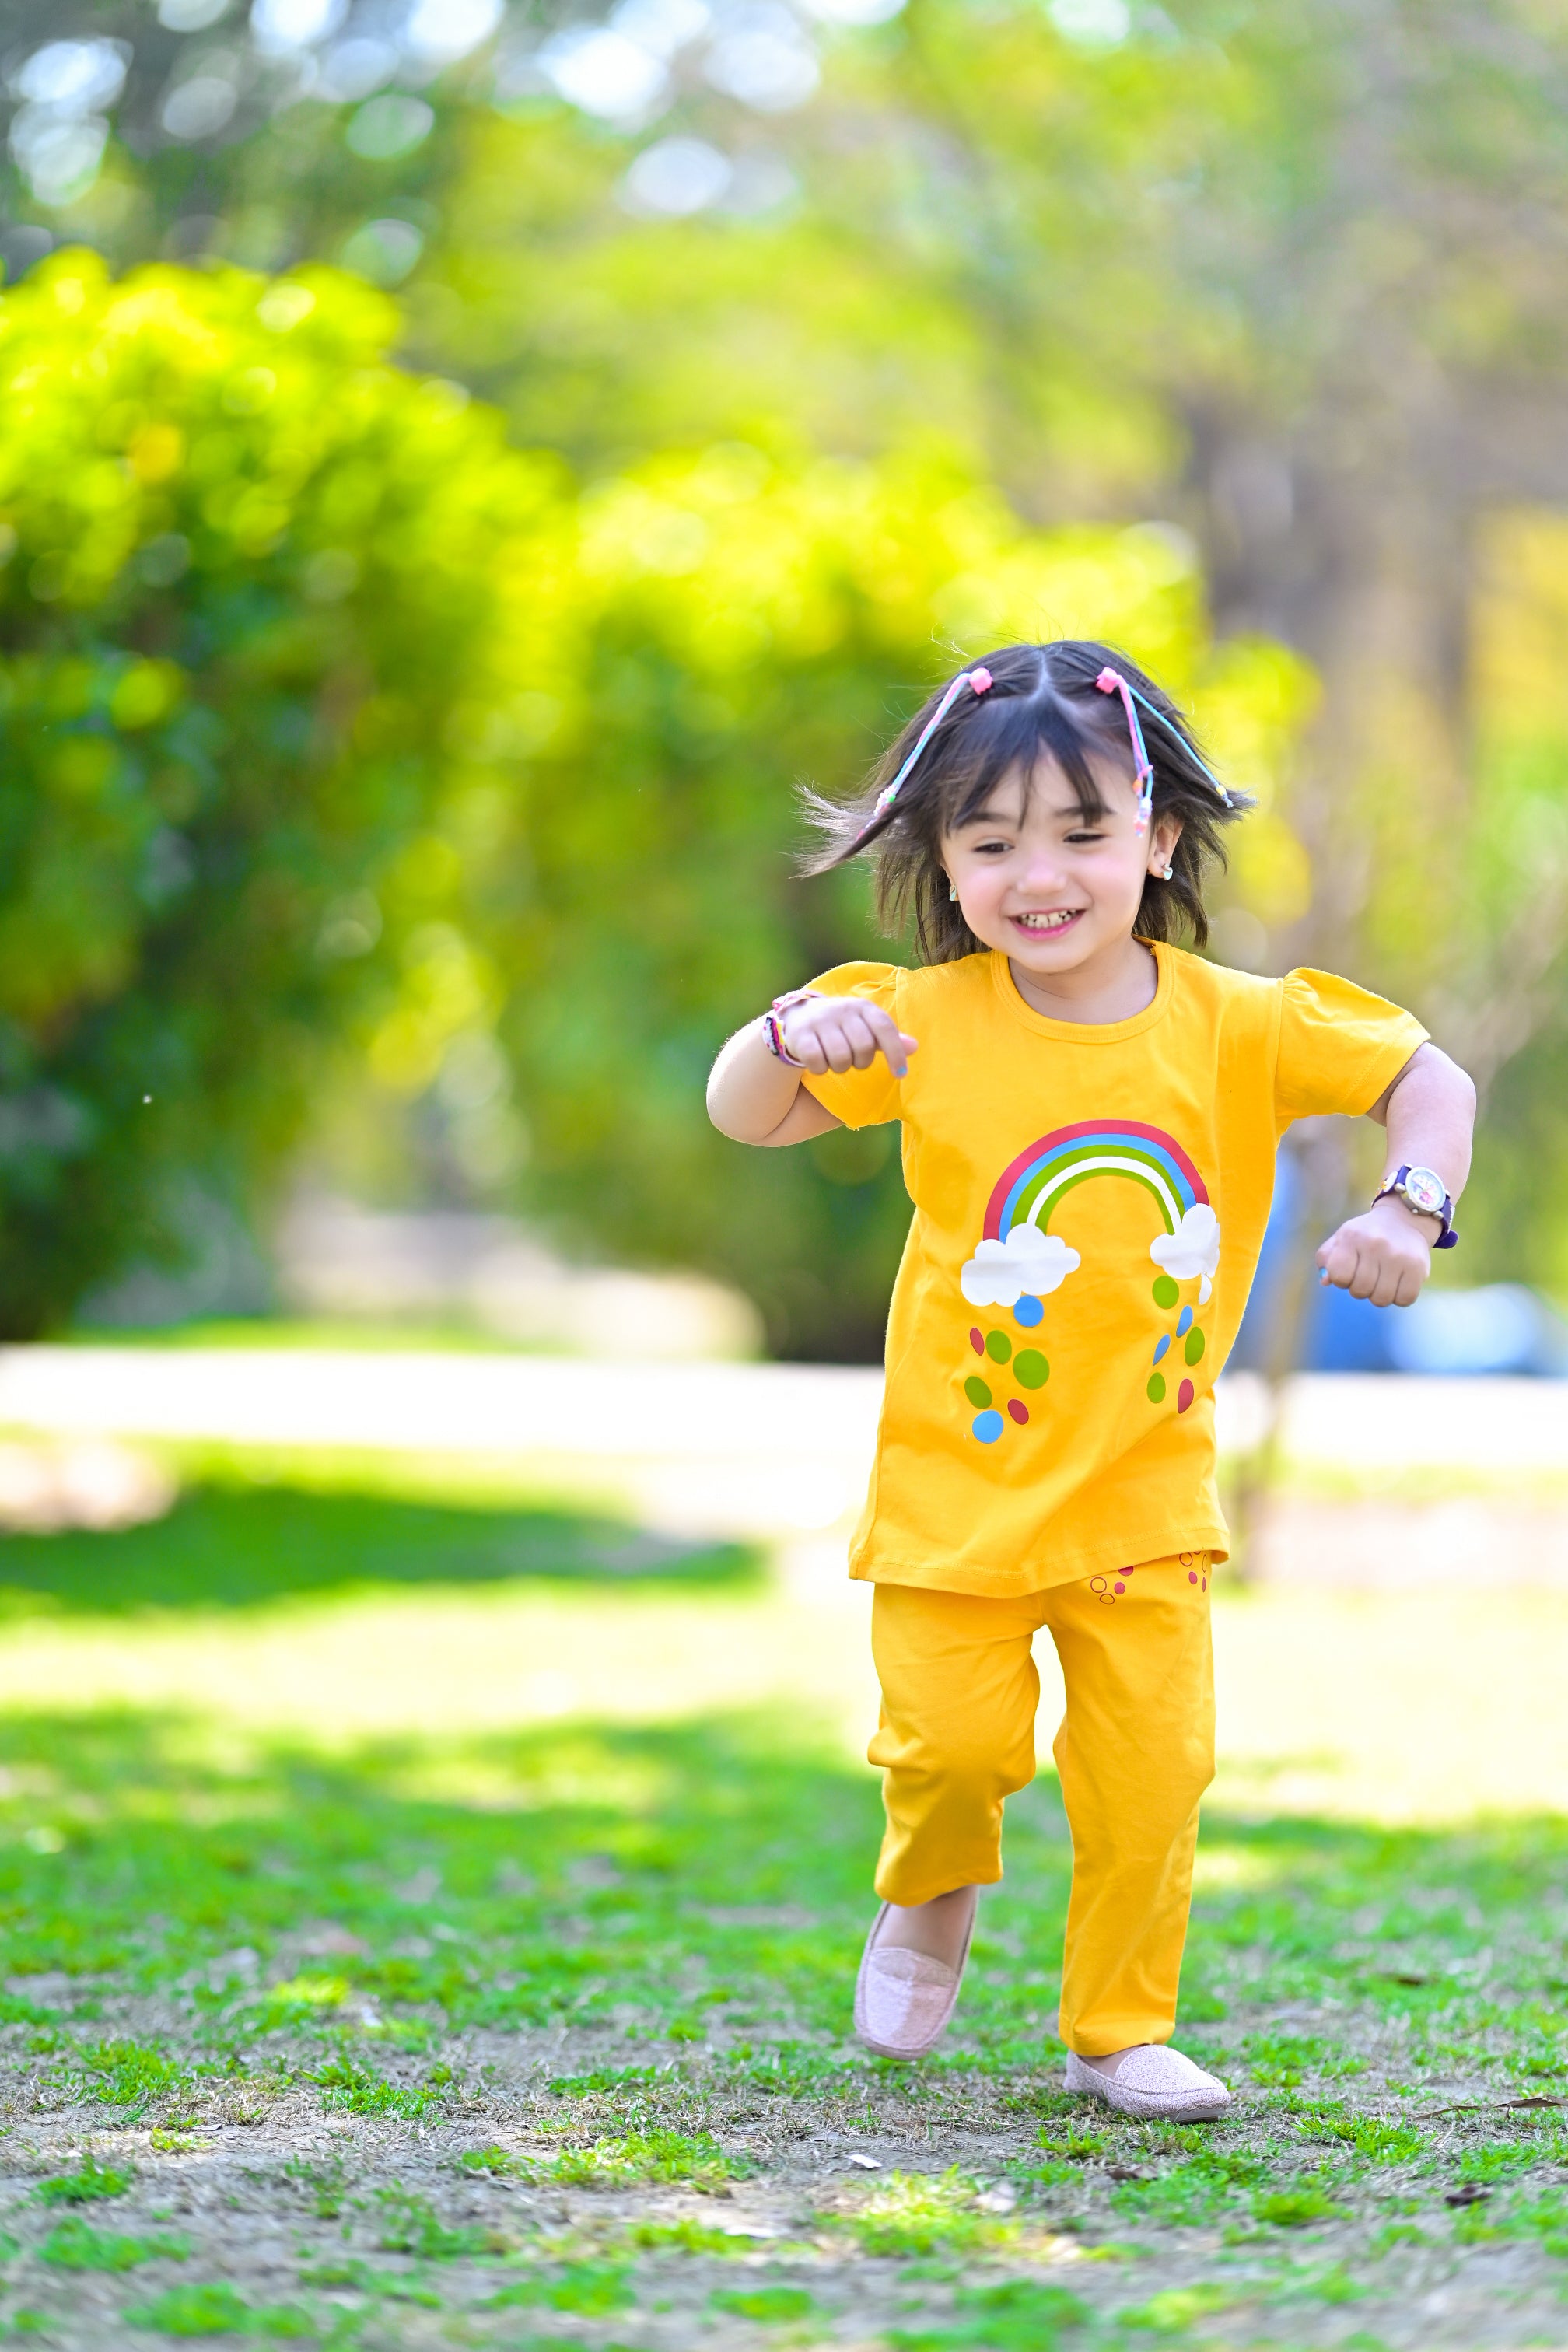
<point x="1135" y="1752"/>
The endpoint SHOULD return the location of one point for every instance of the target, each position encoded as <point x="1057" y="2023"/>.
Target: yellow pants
<point x="1135" y="1752"/>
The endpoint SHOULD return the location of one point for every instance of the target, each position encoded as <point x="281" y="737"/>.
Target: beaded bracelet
<point x="772" y="1026"/>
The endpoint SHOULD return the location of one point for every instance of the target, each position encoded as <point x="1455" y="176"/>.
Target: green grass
<point x="914" y="2214"/>
<point x="218" y="2310"/>
<point x="89" y="2183"/>
<point x="1017" y="2316"/>
<point x="591" y="2289"/>
<point x="557" y="2014"/>
<point x="239" y="1546"/>
<point x="407" y="2223"/>
<point x="75" y="2245"/>
<point x="766" y="2303"/>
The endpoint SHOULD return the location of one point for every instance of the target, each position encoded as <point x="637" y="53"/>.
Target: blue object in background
<point x="1500" y="1327"/>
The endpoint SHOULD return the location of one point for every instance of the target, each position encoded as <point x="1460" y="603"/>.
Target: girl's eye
<point x="1084" y="834"/>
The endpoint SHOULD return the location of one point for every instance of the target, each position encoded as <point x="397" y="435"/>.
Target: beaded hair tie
<point x="1110" y="681"/>
<point x="978" y="681"/>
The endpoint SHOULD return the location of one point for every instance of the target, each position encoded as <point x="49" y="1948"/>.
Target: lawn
<point x="331" y="2025"/>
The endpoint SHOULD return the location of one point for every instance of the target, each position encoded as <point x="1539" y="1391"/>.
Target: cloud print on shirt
<point x="1029" y="1261"/>
<point x="1192" y="1248"/>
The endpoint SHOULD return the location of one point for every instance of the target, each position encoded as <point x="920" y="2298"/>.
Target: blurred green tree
<point x="1291" y="281"/>
<point x="250" y="578"/>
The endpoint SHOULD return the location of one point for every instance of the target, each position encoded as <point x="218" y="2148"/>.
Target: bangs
<point x="1012" y="734"/>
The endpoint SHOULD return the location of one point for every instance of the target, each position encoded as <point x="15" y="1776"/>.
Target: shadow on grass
<point x="235" y="1548"/>
<point x="710" y="1883"/>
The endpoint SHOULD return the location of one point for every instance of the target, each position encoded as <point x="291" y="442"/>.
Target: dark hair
<point x="1042" y="702"/>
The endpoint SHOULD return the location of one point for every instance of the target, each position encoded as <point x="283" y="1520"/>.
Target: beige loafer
<point x="904" y="2001"/>
<point x="1152" y="2080"/>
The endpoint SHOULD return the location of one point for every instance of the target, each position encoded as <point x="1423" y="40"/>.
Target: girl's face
<point x="1050" y="890"/>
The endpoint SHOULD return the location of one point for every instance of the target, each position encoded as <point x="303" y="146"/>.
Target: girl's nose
<point x="1043" y="871"/>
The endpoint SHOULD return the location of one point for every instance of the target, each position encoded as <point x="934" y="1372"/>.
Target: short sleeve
<point x="860" y="1097"/>
<point x="1338" y="1046"/>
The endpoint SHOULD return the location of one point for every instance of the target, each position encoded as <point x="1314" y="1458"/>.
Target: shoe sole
<point x="1142" y="2108"/>
<point x="1154" y="2112"/>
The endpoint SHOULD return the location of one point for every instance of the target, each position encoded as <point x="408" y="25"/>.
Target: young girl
<point x="1091" y="1117"/>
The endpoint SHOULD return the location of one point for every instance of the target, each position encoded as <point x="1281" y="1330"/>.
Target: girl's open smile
<point x="1040" y="919"/>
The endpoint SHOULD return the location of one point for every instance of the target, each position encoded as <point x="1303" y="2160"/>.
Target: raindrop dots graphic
<point x="1031" y="1369"/>
<point x="975" y="1389"/>
<point x="1194" y="1347"/>
<point x="1020" y="1413"/>
<point x="1192" y="1576"/>
<point x="1156" y="1388"/>
<point x="1165" y="1291"/>
<point x="977" y="1341"/>
<point x="1184" y="1396"/>
<point x="1121" y="1587"/>
<point x="1028" y="1312"/>
<point x="1162" y="1345"/>
<point x="988" y="1427"/>
<point x="1184" y="1322"/>
<point x="998" y="1347"/>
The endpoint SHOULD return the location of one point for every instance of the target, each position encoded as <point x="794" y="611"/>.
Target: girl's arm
<point x="756" y="1098"/>
<point x="1385" y="1253"/>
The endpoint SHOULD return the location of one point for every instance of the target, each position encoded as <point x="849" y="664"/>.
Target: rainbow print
<point x="1027" y="1193"/>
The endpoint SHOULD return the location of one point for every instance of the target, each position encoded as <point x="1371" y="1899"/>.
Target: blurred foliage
<point x="731" y="623"/>
<point x="249" y="570"/>
<point x="1215" y="328"/>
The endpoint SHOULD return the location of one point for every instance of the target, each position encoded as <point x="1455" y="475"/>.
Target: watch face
<point x="1425" y="1192"/>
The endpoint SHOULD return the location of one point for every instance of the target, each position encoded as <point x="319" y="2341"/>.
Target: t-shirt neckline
<point x="1089" y="1033"/>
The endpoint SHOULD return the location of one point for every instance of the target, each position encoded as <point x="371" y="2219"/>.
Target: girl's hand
<point x="1384" y="1255"/>
<point x="845" y="1033"/>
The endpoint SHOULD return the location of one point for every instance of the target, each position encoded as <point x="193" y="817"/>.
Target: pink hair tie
<point x="978" y="681"/>
<point x="1110" y="681"/>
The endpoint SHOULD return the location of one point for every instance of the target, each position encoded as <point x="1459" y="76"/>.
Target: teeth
<point x="1052" y="923"/>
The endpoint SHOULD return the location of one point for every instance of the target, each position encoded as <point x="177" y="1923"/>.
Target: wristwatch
<point x="1424" y="1194"/>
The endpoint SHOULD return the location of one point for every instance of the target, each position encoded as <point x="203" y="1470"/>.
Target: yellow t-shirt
<point x="1089" y="1204"/>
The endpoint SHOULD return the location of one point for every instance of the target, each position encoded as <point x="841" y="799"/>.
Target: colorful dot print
<point x="1192" y="1345"/>
<point x="1028" y="1312"/>
<point x="1196" y="1574"/>
<point x="998" y="1347"/>
<point x="977" y="1341"/>
<point x="1018" y="1410"/>
<point x="1030" y="1368"/>
<point x="988" y="1427"/>
<point x="975" y="1389"/>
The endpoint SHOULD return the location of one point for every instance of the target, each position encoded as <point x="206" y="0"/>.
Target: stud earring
<point x="1164" y="873"/>
<point x="952" y="890"/>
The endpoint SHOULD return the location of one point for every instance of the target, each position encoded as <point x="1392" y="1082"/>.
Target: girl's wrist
<point x="772" y="1025"/>
<point x="1400" y="1215"/>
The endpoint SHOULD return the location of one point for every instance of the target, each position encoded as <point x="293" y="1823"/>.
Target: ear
<point x="1164" y="835"/>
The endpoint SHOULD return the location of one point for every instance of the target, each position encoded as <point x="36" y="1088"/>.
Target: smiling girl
<point x="1090" y="1116"/>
